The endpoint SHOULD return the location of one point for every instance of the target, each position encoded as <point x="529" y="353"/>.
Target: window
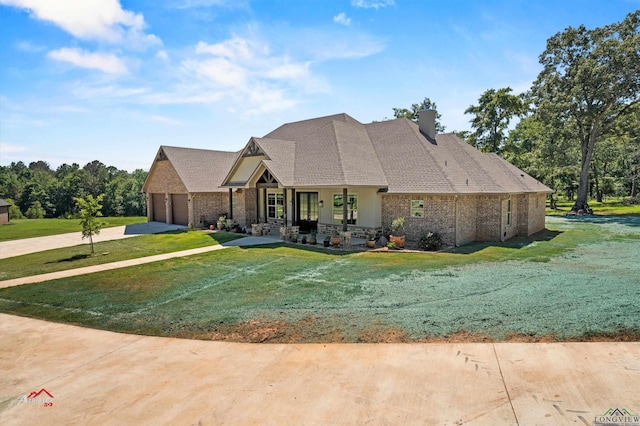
<point x="352" y="209"/>
<point x="509" y="212"/>
<point x="275" y="206"/>
<point x="417" y="208"/>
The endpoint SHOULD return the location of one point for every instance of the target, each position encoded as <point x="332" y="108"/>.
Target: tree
<point x="590" y="77"/>
<point x="90" y="210"/>
<point x="35" y="211"/>
<point x="494" y="112"/>
<point x="412" y="114"/>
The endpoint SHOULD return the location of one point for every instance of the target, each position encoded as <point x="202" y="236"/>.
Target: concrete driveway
<point x="99" y="377"/>
<point x="33" y="245"/>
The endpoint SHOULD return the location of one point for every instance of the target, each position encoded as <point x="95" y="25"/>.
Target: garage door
<point x="180" y="209"/>
<point x="159" y="209"/>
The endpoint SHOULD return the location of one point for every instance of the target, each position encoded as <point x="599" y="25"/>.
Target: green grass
<point x="108" y="251"/>
<point x="577" y="279"/>
<point x="29" y="228"/>
<point x="611" y="207"/>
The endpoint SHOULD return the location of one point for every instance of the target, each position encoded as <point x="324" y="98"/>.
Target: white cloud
<point x="166" y="120"/>
<point x="341" y="18"/>
<point x="103" y="20"/>
<point x="105" y="62"/>
<point x="27" y="46"/>
<point x="372" y="4"/>
<point x="163" y="55"/>
<point x="7" y="148"/>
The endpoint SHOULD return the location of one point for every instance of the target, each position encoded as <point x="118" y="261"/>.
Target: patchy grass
<point x="29" y="228"/>
<point x="108" y="251"/>
<point x="576" y="281"/>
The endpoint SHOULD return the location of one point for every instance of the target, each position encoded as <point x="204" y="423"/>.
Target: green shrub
<point x="430" y="242"/>
<point x="35" y="211"/>
<point x="14" y="211"/>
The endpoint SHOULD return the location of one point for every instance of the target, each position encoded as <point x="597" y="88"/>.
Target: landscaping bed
<point x="578" y="280"/>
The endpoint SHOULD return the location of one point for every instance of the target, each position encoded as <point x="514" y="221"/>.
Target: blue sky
<point x="113" y="80"/>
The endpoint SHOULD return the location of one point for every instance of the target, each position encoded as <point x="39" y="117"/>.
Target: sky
<point x="112" y="80"/>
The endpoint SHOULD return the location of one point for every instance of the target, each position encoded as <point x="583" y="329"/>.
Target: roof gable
<point x="200" y="170"/>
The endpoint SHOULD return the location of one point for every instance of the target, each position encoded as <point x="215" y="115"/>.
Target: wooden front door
<point x="307" y="211"/>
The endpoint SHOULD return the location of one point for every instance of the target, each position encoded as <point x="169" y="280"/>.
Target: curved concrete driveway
<point x="99" y="377"/>
<point x="33" y="245"/>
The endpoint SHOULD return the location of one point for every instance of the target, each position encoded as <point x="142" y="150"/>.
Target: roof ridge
<point x="416" y="130"/>
<point x="337" y="145"/>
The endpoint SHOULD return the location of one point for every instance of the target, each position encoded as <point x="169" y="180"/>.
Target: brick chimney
<point x="427" y="122"/>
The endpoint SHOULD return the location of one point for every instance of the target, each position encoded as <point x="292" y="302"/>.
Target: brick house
<point x="4" y="212"/>
<point x="335" y="173"/>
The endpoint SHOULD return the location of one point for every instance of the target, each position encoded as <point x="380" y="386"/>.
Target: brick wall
<point x="210" y="205"/>
<point x="164" y="179"/>
<point x="488" y="218"/>
<point x="439" y="215"/>
<point x="537" y="213"/>
<point x="466" y="227"/>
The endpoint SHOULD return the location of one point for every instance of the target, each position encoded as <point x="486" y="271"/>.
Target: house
<point x="183" y="185"/>
<point x="336" y="174"/>
<point x="4" y="212"/>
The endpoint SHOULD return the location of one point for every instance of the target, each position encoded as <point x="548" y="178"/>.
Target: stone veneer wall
<point x="439" y="215"/>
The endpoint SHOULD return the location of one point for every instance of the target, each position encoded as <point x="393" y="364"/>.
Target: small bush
<point x="430" y="242"/>
<point x="35" y="211"/>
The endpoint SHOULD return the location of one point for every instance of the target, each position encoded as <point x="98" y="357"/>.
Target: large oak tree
<point x="591" y="77"/>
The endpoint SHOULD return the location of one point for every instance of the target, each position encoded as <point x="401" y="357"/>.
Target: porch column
<point x="284" y="207"/>
<point x="168" y="209"/>
<point x="257" y="206"/>
<point x="190" y="210"/>
<point x="149" y="207"/>
<point x="293" y="207"/>
<point x="231" y="203"/>
<point x="264" y="204"/>
<point x="344" y="209"/>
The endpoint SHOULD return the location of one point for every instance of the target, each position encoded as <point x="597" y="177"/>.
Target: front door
<point x="307" y="204"/>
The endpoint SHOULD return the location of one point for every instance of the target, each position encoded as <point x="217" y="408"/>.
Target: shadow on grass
<point x="72" y="258"/>
<point x="514" y="243"/>
<point x="318" y="248"/>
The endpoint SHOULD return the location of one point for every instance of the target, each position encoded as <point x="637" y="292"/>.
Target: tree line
<point x="578" y="128"/>
<point x="37" y="191"/>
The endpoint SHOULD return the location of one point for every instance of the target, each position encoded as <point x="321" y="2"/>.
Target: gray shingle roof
<point x="3" y="203"/>
<point x="338" y="150"/>
<point x="201" y="170"/>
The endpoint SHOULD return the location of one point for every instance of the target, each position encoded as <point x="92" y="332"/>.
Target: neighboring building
<point x="335" y="173"/>
<point x="4" y="212"/>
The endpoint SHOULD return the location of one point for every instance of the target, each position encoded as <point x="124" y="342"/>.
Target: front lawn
<point x="577" y="280"/>
<point x="17" y="229"/>
<point x="108" y="251"/>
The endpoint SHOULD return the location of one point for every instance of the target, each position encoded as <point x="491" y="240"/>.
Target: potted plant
<point x="371" y="240"/>
<point x="397" y="232"/>
<point x="304" y="239"/>
<point x="327" y="241"/>
<point x="335" y="239"/>
<point x="312" y="238"/>
<point x="221" y="221"/>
